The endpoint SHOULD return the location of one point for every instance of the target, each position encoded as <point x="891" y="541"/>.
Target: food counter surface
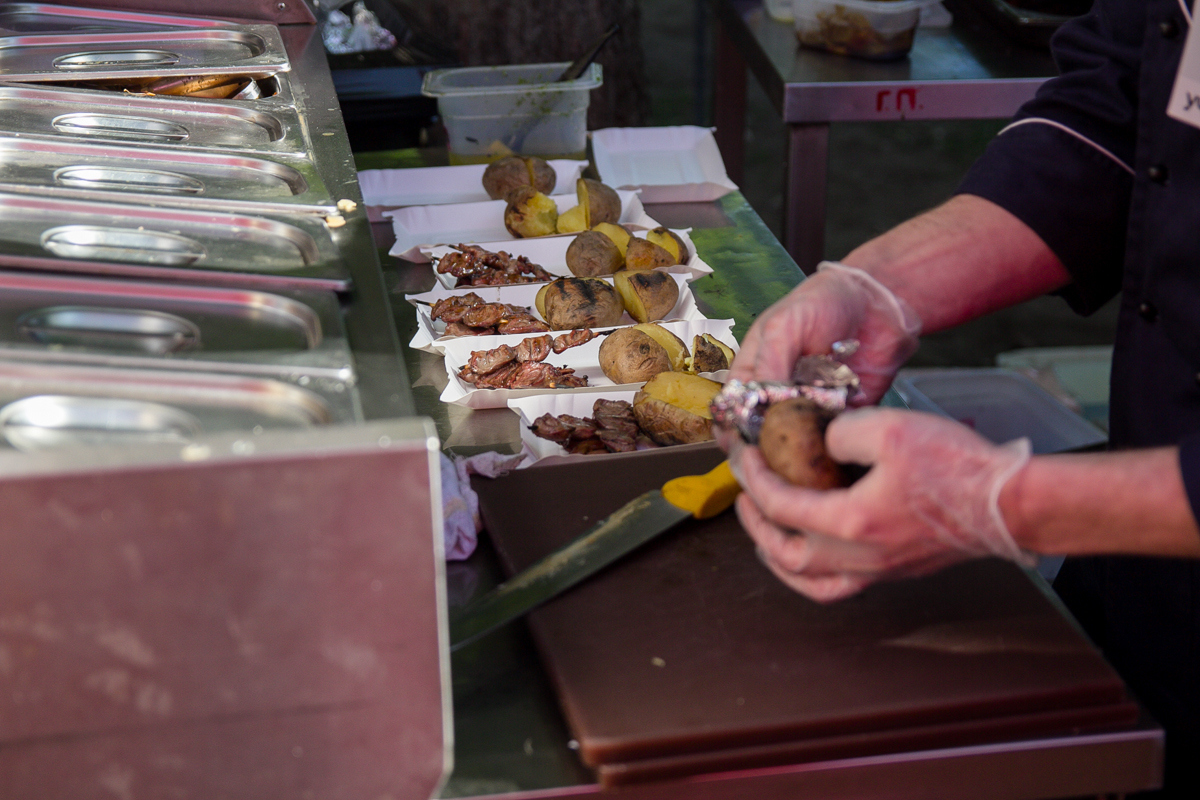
<point x="510" y="734"/>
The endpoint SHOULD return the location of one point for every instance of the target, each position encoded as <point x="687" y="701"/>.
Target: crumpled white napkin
<point x="460" y="504"/>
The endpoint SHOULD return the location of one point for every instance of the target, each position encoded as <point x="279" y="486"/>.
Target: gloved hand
<point x="836" y="303"/>
<point x="931" y="498"/>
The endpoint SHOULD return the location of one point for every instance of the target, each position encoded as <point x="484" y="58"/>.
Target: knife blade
<point x="626" y="529"/>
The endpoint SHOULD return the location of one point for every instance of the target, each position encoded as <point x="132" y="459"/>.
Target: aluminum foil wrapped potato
<point x="788" y="421"/>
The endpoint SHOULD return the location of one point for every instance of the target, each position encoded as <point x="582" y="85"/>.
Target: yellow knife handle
<point x="703" y="496"/>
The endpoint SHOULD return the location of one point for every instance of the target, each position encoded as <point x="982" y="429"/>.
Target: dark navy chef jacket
<point x="1095" y="166"/>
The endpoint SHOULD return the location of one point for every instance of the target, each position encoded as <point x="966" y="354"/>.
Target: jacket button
<point x="1157" y="173"/>
<point x="1148" y="312"/>
<point x="1169" y="28"/>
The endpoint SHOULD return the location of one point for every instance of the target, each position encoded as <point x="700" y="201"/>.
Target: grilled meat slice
<point x="540" y="375"/>
<point x="484" y="315"/>
<point x="451" y="309"/>
<point x="572" y="339"/>
<point x="500" y="379"/>
<point x="458" y="329"/>
<point x="617" y="441"/>
<point x="482" y="362"/>
<point x="535" y="348"/>
<point x="522" y="323"/>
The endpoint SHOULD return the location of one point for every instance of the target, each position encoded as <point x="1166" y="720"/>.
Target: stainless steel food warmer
<point x="200" y="380"/>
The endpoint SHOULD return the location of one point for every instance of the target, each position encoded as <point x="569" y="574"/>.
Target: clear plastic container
<point x="1001" y="405"/>
<point x="491" y="112"/>
<point x="880" y="30"/>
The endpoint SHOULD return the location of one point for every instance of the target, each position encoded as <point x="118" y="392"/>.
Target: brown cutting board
<point x="689" y="656"/>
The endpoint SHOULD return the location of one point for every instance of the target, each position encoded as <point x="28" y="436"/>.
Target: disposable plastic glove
<point x="931" y="498"/>
<point x="835" y="304"/>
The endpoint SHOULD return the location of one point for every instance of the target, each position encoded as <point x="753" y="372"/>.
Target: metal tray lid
<point x="236" y="621"/>
<point x="278" y="12"/>
<point x="255" y="50"/>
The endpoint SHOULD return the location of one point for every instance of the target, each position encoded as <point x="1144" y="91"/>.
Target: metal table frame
<point x="965" y="71"/>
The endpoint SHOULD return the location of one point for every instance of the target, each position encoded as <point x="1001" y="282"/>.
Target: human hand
<point x="930" y="499"/>
<point x="835" y="304"/>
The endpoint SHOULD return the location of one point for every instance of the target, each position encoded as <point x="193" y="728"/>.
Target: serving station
<point x="226" y="574"/>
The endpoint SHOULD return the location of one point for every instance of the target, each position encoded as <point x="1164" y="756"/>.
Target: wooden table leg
<point x="804" y="194"/>
<point x="729" y="105"/>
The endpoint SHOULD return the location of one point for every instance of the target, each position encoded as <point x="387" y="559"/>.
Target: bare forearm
<point x="961" y="260"/>
<point x="1130" y="502"/>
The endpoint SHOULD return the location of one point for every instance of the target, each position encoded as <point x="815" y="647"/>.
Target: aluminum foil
<point x="823" y="379"/>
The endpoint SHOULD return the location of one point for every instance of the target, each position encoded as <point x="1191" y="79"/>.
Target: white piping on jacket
<point x="1076" y="134"/>
<point x="1187" y="12"/>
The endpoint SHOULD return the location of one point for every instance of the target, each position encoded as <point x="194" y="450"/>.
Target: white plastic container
<point x="879" y="30"/>
<point x="491" y="112"/>
<point x="1000" y="405"/>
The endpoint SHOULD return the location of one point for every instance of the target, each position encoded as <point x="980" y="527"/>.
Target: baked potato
<point x="502" y="176"/>
<point x="648" y="294"/>
<point x="672" y="408"/>
<point x="569" y="303"/>
<point x="792" y="440"/>
<point x="709" y="354"/>
<point x="619" y="235"/>
<point x="628" y="355"/>
<point x="670" y="241"/>
<point x="674" y="346"/>
<point x="645" y="254"/>
<point x="573" y="220"/>
<point x="602" y="202"/>
<point x="593" y="253"/>
<point x="530" y="213"/>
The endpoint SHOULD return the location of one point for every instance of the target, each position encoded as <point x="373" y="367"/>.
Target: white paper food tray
<point x="433" y="186"/>
<point x="668" y="165"/>
<point x="543" y="452"/>
<point x="423" y="227"/>
<point x="585" y="360"/>
<point x="550" y="253"/>
<point x="429" y="336"/>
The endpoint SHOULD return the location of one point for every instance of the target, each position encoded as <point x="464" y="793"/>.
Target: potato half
<point x="530" y="213"/>
<point x="628" y="355"/>
<point x="573" y="220"/>
<point x="592" y="253"/>
<point x="502" y="176"/>
<point x="580" y="303"/>
<point x="619" y="235"/>
<point x="648" y="294"/>
<point x="709" y="354"/>
<point x="672" y="408"/>
<point x="674" y="346"/>
<point x="644" y="254"/>
<point x="670" y="241"/>
<point x="602" y="202"/>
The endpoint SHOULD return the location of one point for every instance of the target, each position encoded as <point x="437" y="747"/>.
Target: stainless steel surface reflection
<point x="60" y="319"/>
<point x="126" y="239"/>
<point x="119" y="329"/>
<point x="53" y="18"/>
<point x="238" y="50"/>
<point x="47" y="421"/>
<point x="57" y="405"/>
<point x="177" y="176"/>
<point x="267" y="126"/>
